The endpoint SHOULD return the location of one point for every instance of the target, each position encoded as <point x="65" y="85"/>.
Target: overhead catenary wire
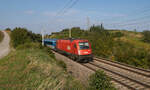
<point x="137" y="22"/>
<point x="69" y="7"/>
<point x="66" y="5"/>
<point x="131" y="21"/>
<point x="132" y="13"/>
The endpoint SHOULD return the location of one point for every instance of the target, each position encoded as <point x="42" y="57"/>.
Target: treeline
<point x="105" y="44"/>
<point x="22" y="35"/>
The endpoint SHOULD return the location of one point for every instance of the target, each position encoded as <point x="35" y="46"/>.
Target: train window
<point x="84" y="45"/>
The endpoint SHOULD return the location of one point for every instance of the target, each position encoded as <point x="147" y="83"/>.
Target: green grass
<point x="1" y="36"/>
<point x="135" y="38"/>
<point x="139" y="56"/>
<point x="34" y="69"/>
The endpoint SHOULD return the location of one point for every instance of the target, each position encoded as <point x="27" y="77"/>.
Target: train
<point x="76" y="49"/>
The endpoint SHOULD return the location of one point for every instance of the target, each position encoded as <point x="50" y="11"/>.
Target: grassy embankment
<point x="1" y="36"/>
<point x="31" y="68"/>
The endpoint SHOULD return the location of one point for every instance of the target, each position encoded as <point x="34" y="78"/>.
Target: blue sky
<point x="36" y="15"/>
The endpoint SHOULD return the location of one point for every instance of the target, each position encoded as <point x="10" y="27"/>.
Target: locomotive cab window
<point x="84" y="45"/>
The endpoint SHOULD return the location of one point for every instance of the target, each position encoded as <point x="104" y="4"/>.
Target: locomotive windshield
<point x="84" y="45"/>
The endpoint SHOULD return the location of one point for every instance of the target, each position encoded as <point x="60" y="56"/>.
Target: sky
<point x="55" y="15"/>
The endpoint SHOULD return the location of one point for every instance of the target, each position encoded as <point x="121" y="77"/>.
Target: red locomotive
<point x="77" y="49"/>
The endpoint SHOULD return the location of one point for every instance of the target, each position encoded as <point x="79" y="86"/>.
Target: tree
<point x="22" y="36"/>
<point x="102" y="27"/>
<point x="8" y="29"/>
<point x="146" y="34"/>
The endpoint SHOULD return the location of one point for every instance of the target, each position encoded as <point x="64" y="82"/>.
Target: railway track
<point x="128" y="76"/>
<point x="130" y="68"/>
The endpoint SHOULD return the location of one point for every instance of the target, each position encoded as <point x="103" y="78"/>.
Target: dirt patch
<point x="4" y="45"/>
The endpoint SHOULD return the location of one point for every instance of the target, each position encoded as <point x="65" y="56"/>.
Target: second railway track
<point x="140" y="71"/>
<point x="132" y="78"/>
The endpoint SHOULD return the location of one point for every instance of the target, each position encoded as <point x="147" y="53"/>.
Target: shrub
<point x="30" y="45"/>
<point x="7" y="29"/>
<point x="129" y="54"/>
<point x="118" y="34"/>
<point x="99" y="81"/>
<point x="146" y="34"/>
<point x="21" y="36"/>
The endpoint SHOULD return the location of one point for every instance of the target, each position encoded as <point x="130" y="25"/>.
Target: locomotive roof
<point x="49" y="39"/>
<point x="72" y="39"/>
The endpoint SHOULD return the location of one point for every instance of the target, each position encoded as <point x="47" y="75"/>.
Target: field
<point x="32" y="68"/>
<point x="1" y="36"/>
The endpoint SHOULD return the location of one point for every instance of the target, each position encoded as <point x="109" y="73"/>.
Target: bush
<point x="118" y="34"/>
<point x="129" y="54"/>
<point x="21" y="36"/>
<point x="99" y="81"/>
<point x="7" y="29"/>
<point x="146" y="34"/>
<point x="30" y="45"/>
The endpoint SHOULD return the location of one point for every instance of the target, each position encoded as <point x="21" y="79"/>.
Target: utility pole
<point x="69" y="33"/>
<point x="42" y="32"/>
<point x="88" y="23"/>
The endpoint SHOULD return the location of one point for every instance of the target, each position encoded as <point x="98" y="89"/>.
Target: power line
<point x="66" y="5"/>
<point x="75" y="2"/>
<point x="130" y="14"/>
<point x="131" y="20"/>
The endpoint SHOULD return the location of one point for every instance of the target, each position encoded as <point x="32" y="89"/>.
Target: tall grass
<point x="34" y="69"/>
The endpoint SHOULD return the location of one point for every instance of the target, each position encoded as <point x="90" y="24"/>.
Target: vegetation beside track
<point x="32" y="66"/>
<point x="1" y="36"/>
<point x="99" y="80"/>
<point x="128" y="47"/>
